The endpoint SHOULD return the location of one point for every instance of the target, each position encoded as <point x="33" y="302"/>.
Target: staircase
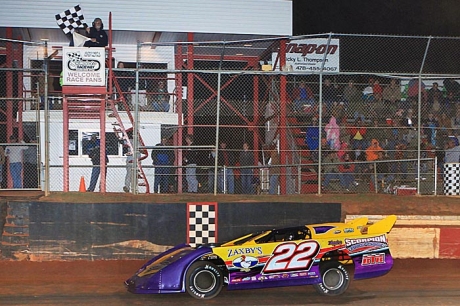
<point x="123" y="134"/>
<point x="301" y="155"/>
<point x="89" y="102"/>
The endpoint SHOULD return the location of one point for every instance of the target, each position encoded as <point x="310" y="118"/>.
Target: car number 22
<point x="292" y="257"/>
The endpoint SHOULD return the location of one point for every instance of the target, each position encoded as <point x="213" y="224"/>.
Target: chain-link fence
<point x="311" y="114"/>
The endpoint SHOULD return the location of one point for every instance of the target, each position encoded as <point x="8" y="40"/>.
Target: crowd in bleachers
<point x="362" y="121"/>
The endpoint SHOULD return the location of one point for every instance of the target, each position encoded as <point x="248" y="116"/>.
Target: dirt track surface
<point x="410" y="282"/>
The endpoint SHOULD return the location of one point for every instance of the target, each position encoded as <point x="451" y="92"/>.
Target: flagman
<point x="97" y="35"/>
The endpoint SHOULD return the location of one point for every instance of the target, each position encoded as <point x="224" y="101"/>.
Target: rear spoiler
<point x="382" y="226"/>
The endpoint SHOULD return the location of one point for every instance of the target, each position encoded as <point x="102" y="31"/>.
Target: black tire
<point x="335" y="279"/>
<point x="204" y="280"/>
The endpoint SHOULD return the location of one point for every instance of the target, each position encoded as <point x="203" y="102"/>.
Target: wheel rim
<point x="333" y="279"/>
<point x="204" y="281"/>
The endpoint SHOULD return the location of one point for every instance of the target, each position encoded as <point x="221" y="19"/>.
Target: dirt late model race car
<point x="323" y="255"/>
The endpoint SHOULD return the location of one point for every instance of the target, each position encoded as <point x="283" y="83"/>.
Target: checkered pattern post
<point x="70" y="19"/>
<point x="201" y="223"/>
<point x="452" y="179"/>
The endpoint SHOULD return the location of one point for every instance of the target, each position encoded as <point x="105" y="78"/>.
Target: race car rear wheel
<point x="204" y="280"/>
<point x="335" y="279"/>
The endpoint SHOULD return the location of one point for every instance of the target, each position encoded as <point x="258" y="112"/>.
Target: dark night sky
<point x="401" y="17"/>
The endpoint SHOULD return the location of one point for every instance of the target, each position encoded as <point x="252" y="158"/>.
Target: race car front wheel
<point x="335" y="279"/>
<point x="204" y="280"/>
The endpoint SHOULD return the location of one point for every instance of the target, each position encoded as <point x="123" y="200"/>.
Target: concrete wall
<point x="67" y="231"/>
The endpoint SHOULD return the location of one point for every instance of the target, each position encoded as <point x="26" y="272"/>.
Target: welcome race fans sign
<point x="83" y="66"/>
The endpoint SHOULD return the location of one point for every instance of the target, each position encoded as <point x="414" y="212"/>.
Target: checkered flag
<point x="70" y="19"/>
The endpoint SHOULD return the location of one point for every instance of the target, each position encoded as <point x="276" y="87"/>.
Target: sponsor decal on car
<point x="334" y="242"/>
<point x="245" y="263"/>
<point x="366" y="244"/>
<point x="373" y="259"/>
<point x="244" y="251"/>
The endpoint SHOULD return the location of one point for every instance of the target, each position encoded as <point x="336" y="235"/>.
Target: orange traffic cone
<point x="82" y="184"/>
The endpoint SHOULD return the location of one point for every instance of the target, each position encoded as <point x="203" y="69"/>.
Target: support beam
<point x="283" y="113"/>
<point x="179" y="110"/>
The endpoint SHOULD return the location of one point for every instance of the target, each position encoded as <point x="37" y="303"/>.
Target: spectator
<point x="358" y="137"/>
<point x="377" y="107"/>
<point x="353" y="100"/>
<point x="97" y="35"/>
<point x="410" y="120"/>
<point x="163" y="159"/>
<point x="451" y="86"/>
<point x="347" y="170"/>
<point x="331" y="170"/>
<point x="94" y="152"/>
<point x="379" y="132"/>
<point x="452" y="152"/>
<point x="330" y="95"/>
<point x="274" y="161"/>
<point x="161" y="99"/>
<point x="373" y="150"/>
<point x="332" y="130"/>
<point x="413" y="88"/>
<point x="377" y="90"/>
<point x="435" y="98"/>
<point x="15" y="156"/>
<point x="246" y="160"/>
<point x="384" y="177"/>
<point x="312" y="138"/>
<point x="224" y="161"/>
<point x="449" y="104"/>
<point x="124" y="81"/>
<point x="190" y="159"/>
<point x="41" y="91"/>
<point x="350" y="92"/>
<point x="130" y="163"/>
<point x="303" y="97"/>
<point x="455" y="123"/>
<point x="31" y="165"/>
<point x="271" y="122"/>
<point x="392" y="97"/>
<point x="431" y="124"/>
<point x="399" y="167"/>
<point x="210" y="162"/>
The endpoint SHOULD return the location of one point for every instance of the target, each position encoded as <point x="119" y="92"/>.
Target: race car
<point x="326" y="256"/>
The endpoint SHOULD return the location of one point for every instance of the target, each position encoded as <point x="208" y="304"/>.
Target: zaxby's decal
<point x="366" y="244"/>
<point x="244" y="251"/>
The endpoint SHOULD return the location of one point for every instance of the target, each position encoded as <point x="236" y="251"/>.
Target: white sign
<point x="308" y="55"/>
<point x="83" y="66"/>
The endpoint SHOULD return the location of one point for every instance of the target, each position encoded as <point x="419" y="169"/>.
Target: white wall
<point x="264" y="17"/>
<point x="150" y="129"/>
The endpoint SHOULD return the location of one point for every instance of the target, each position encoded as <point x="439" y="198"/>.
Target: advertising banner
<point x="308" y="55"/>
<point x="83" y="66"/>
